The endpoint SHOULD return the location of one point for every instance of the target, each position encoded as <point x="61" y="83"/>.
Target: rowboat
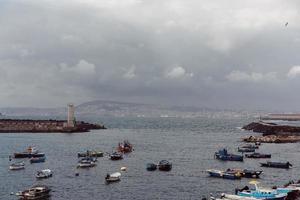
<point x="37" y="160"/>
<point x="164" y="165"/>
<point x="114" y="177"/>
<point x="17" y="166"/>
<point x="151" y="166"/>
<point x="45" y="173"/>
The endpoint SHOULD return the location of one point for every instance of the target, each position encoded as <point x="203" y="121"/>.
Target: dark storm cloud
<point x="206" y="53"/>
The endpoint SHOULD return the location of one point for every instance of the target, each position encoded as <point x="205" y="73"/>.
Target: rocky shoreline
<point x="45" y="126"/>
<point x="272" y="133"/>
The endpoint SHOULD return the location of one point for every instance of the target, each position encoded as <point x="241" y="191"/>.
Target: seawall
<point x="44" y="126"/>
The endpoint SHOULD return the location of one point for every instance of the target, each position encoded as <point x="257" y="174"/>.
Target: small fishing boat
<point x="116" y="156"/>
<point x="38" y="192"/>
<point x="91" y="159"/>
<point x="114" y="177"/>
<point x="250" y="146"/>
<point x="17" y="166"/>
<point x="45" y="173"/>
<point x="224" y="155"/>
<point x="244" y="150"/>
<point x="37" y="155"/>
<point x="125" y="147"/>
<point x="222" y="174"/>
<point x="246" y="173"/>
<point x="37" y="160"/>
<point x="235" y="197"/>
<point x="261" y="193"/>
<point x="86" y="164"/>
<point x="26" y="154"/>
<point x="90" y="154"/>
<point x="164" y="165"/>
<point x="258" y="155"/>
<point x="286" y="165"/>
<point x="151" y="166"/>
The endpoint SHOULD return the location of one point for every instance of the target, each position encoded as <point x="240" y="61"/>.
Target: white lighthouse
<point x="71" y="116"/>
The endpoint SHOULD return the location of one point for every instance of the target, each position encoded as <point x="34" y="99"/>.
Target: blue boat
<point x="262" y="193"/>
<point x="224" y="155"/>
<point x="223" y="174"/>
<point x="38" y="159"/>
<point x="151" y="166"/>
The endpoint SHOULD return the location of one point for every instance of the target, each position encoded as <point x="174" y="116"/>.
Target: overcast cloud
<point x="215" y="53"/>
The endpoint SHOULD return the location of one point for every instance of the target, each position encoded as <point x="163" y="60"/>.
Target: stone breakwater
<point x="272" y="133"/>
<point x="44" y="126"/>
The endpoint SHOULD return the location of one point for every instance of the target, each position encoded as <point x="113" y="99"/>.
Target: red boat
<point x="125" y="147"/>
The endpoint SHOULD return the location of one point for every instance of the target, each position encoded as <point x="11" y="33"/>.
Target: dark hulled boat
<point x="258" y="155"/>
<point x="222" y="174"/>
<point x="116" y="156"/>
<point x="151" y="166"/>
<point x="90" y="154"/>
<point x="164" y="165"/>
<point x="286" y="165"/>
<point x="224" y="155"/>
<point x="30" y="151"/>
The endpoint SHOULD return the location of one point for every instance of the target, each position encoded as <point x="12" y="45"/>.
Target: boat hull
<point x="37" y="160"/>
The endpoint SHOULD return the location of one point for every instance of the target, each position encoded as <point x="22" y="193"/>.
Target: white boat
<point x="114" y="177"/>
<point x="45" y="173"/>
<point x="17" y="166"/>
<point x="86" y="164"/>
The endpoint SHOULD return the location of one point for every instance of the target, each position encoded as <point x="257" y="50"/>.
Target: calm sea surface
<point x="188" y="143"/>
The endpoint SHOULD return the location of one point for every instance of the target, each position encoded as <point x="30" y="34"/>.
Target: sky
<point x="212" y="53"/>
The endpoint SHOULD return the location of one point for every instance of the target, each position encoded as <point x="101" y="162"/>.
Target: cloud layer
<point x="205" y="53"/>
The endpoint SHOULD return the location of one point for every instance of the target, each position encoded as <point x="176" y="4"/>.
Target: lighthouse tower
<point x="71" y="116"/>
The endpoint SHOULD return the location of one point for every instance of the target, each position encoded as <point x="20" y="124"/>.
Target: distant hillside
<point x="123" y="109"/>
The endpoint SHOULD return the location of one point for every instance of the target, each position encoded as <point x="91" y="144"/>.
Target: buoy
<point x="77" y="174"/>
<point x="123" y="168"/>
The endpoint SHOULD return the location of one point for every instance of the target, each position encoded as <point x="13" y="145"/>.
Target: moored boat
<point x="114" y="177"/>
<point x="164" y="165"/>
<point x="286" y="165"/>
<point x="125" y="147"/>
<point x="151" y="166"/>
<point x="224" y="155"/>
<point x="38" y="159"/>
<point x="116" y="156"/>
<point x="90" y="154"/>
<point x="26" y="154"/>
<point x="261" y="193"/>
<point x="86" y="164"/>
<point x="223" y="174"/>
<point x="235" y="197"/>
<point x="17" y="166"/>
<point x="250" y="146"/>
<point x="244" y="150"/>
<point x="246" y="173"/>
<point x="258" y="155"/>
<point x="45" y="173"/>
<point x="38" y="192"/>
<point x="91" y="159"/>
